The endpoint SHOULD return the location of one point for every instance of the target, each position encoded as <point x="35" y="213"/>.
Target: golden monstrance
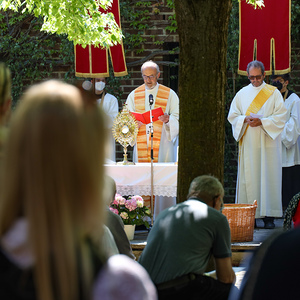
<point x="125" y="130"/>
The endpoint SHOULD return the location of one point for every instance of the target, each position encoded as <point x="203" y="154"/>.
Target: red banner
<point x="265" y="35"/>
<point x="93" y="62"/>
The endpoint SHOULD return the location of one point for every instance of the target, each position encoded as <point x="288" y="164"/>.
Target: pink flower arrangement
<point x="131" y="210"/>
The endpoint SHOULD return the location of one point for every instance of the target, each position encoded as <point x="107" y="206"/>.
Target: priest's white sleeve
<point x="291" y="131"/>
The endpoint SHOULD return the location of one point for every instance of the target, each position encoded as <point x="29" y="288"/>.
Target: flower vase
<point x="129" y="230"/>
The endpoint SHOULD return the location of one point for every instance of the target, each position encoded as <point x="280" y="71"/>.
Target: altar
<point x="136" y="179"/>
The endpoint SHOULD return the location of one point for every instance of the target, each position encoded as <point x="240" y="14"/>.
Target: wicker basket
<point x="241" y="218"/>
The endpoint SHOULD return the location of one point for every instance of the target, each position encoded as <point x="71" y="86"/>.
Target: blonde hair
<point x="54" y="177"/>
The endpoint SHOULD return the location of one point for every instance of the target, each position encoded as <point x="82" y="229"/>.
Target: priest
<point x="257" y="115"/>
<point x="165" y="129"/>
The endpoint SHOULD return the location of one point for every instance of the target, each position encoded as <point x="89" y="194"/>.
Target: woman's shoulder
<point x="123" y="278"/>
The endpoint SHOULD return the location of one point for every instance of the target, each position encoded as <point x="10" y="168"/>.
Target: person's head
<point x="209" y="189"/>
<point x="150" y="73"/>
<point x="99" y="85"/>
<point x="53" y="165"/>
<point x="5" y="92"/>
<point x="256" y="73"/>
<point x="110" y="189"/>
<point x="281" y="81"/>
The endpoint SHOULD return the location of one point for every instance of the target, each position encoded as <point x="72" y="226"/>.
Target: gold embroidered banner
<point x="265" y="35"/>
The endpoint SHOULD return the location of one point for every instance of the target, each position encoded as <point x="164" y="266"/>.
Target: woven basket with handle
<point x="241" y="218"/>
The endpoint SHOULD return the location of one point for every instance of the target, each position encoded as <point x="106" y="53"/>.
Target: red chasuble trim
<point x="265" y="35"/>
<point x="93" y="62"/>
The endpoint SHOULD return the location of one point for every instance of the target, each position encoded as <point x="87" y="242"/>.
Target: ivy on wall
<point x="31" y="55"/>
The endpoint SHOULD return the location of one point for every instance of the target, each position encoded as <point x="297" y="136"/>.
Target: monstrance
<point x="125" y="130"/>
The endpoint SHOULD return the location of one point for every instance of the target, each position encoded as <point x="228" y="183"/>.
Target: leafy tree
<point x="32" y="55"/>
<point x="80" y="21"/>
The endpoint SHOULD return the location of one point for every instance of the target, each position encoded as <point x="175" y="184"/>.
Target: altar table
<point x="136" y="179"/>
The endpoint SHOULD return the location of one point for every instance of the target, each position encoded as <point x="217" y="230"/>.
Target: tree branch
<point x="152" y="55"/>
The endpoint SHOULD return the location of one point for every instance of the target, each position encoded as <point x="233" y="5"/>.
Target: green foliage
<point x="32" y="55"/>
<point x="295" y="18"/>
<point x="173" y="26"/>
<point x="255" y="3"/>
<point x="80" y="21"/>
<point x="138" y="16"/>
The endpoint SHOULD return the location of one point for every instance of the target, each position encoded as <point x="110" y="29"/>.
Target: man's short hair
<point x="285" y="77"/>
<point x="256" y="64"/>
<point x="206" y="187"/>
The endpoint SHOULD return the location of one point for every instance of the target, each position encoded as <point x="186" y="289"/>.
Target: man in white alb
<point x="257" y="115"/>
<point x="290" y="140"/>
<point x="109" y="104"/>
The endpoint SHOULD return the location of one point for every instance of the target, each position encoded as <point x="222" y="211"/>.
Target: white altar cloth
<point x="136" y="179"/>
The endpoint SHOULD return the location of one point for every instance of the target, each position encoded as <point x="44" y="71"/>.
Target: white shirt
<point x="291" y="132"/>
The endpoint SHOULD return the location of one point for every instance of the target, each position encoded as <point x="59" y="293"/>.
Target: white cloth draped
<point x="260" y="156"/>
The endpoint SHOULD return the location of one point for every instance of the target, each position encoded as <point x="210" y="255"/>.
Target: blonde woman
<point x="51" y="210"/>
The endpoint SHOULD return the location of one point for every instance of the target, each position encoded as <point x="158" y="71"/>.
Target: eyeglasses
<point x="258" y="77"/>
<point x="151" y="77"/>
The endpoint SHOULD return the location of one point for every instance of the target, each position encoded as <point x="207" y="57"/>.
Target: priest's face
<point x="256" y="76"/>
<point x="150" y="77"/>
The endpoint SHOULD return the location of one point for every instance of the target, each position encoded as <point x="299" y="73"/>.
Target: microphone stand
<point x="152" y="157"/>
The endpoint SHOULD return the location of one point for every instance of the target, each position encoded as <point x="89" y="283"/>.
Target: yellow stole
<point x="258" y="102"/>
<point x="144" y="152"/>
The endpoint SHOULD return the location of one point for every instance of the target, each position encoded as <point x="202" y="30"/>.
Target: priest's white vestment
<point x="169" y="137"/>
<point x="260" y="154"/>
<point x="291" y="132"/>
<point x="111" y="108"/>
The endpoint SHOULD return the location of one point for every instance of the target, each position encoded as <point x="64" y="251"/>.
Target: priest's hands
<point x="140" y="124"/>
<point x="164" y="118"/>
<point x="253" y="122"/>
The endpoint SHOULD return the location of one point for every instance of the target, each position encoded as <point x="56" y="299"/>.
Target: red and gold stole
<point x="144" y="152"/>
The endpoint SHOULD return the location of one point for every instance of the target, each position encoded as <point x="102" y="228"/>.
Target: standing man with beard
<point x="290" y="140"/>
<point x="257" y="115"/>
<point x="165" y="130"/>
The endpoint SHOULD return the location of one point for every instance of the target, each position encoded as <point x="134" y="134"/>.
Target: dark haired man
<point x="290" y="140"/>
